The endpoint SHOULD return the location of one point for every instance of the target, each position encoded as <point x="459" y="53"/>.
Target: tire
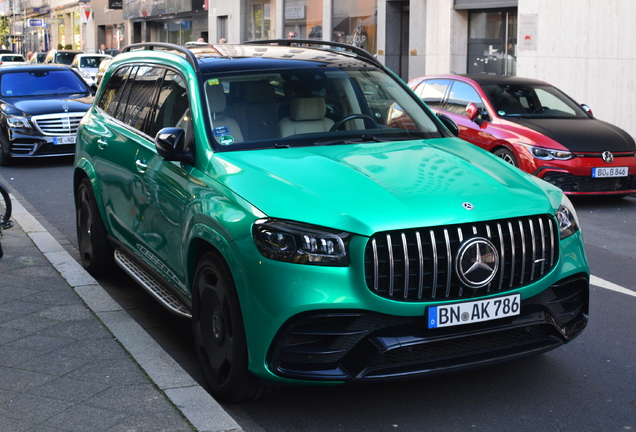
<point x="5" y="158"/>
<point x="96" y="252"/>
<point x="6" y="203"/>
<point x="507" y="155"/>
<point x="219" y="334"/>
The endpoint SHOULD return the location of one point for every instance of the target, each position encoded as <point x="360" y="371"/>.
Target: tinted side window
<point x="173" y="105"/>
<point x="142" y="96"/>
<point x="433" y="92"/>
<point x="462" y="94"/>
<point x="114" y="91"/>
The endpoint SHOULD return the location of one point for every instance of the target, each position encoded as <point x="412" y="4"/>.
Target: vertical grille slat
<point x="527" y="248"/>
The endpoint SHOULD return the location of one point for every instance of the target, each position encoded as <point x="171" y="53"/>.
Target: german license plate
<point x="610" y="172"/>
<point x="64" y="140"/>
<point x="475" y="311"/>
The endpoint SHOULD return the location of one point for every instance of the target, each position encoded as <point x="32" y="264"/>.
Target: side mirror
<point x="171" y="146"/>
<point x="450" y="124"/>
<point x="472" y="111"/>
<point x="588" y="110"/>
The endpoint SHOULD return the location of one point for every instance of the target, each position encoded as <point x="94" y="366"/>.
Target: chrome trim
<point x="406" y="265"/>
<point x="376" y="265"/>
<point x="420" y="254"/>
<point x="449" y="266"/>
<point x="534" y="252"/>
<point x="435" y="261"/>
<point x="523" y="251"/>
<point x="391" y="264"/>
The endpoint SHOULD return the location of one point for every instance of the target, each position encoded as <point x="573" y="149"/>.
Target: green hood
<point x="365" y="188"/>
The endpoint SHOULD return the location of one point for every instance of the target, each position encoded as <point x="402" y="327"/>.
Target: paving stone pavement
<point x="72" y="360"/>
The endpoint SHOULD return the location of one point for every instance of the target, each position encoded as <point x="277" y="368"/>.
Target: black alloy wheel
<point x="219" y="334"/>
<point x="96" y="252"/>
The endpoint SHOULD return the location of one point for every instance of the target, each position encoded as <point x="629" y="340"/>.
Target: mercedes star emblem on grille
<point x="477" y="262"/>
<point x="608" y="157"/>
<point x="65" y="108"/>
<point x="468" y="206"/>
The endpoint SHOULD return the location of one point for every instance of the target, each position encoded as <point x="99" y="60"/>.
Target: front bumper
<point x="359" y="345"/>
<point x="33" y="145"/>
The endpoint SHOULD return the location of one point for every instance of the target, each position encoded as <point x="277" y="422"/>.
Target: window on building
<point x="492" y="42"/>
<point x="303" y="18"/>
<point x="355" y="23"/>
<point x="261" y="19"/>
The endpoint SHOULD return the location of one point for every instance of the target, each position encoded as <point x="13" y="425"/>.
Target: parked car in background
<point x="103" y="65"/>
<point x="40" y="109"/>
<point x="64" y="57"/>
<point x="263" y="194"/>
<point x="37" y="57"/>
<point x="87" y="65"/>
<point x="11" y="59"/>
<point x="536" y="127"/>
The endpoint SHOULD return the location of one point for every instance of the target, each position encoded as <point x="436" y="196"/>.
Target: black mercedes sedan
<point x="40" y="110"/>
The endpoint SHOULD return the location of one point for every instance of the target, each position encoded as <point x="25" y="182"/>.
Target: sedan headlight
<point x="550" y="154"/>
<point x="301" y="243"/>
<point x="18" y="122"/>
<point x="567" y="218"/>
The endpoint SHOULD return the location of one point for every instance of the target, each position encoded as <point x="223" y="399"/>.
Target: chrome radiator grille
<point x="419" y="264"/>
<point x="58" y="124"/>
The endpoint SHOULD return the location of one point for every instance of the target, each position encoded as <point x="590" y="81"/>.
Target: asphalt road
<point x="588" y="385"/>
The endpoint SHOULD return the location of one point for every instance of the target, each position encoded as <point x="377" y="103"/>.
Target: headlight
<point x="300" y="243"/>
<point x="567" y="218"/>
<point x="549" y="154"/>
<point x="85" y="74"/>
<point x="18" y="122"/>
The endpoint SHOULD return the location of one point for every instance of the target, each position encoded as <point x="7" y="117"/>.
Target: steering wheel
<point x="339" y="123"/>
<point x="540" y="109"/>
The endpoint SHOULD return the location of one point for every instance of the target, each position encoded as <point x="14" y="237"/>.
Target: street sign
<point x="36" y="23"/>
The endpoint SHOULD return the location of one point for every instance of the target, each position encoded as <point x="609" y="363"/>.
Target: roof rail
<point x="152" y="46"/>
<point x="294" y="42"/>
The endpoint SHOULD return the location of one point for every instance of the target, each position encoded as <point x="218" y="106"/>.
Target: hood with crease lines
<point x="366" y="188"/>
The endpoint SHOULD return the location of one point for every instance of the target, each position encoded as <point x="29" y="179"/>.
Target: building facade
<point x="582" y="46"/>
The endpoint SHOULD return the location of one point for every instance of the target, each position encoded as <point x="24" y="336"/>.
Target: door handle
<point x="102" y="144"/>
<point x="142" y="165"/>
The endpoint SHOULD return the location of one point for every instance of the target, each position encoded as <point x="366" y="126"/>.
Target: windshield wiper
<point x="362" y="139"/>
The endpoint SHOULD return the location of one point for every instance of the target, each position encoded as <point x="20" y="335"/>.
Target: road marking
<point x="596" y="281"/>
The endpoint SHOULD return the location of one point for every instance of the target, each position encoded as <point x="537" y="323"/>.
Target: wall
<point x="586" y="48"/>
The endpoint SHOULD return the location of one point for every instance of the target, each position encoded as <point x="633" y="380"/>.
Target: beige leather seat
<point x="217" y="104"/>
<point x="256" y="111"/>
<point x="307" y="116"/>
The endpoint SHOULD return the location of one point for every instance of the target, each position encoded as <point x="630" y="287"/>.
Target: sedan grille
<point x="58" y="124"/>
<point x="420" y="264"/>
<point x="571" y="183"/>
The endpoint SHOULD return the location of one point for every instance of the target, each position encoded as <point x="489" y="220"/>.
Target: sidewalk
<point x="71" y="359"/>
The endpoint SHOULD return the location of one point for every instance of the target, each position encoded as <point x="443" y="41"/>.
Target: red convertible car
<point x="536" y="127"/>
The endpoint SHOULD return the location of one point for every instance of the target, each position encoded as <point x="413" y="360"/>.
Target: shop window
<point x="304" y="18"/>
<point x="355" y="23"/>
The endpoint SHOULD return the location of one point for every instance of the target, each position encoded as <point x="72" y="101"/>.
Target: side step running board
<point x="152" y="285"/>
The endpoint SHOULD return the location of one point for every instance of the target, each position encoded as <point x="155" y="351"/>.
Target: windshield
<point x="542" y="101"/>
<point x="64" y="58"/>
<point x="90" y="62"/>
<point x="306" y="107"/>
<point x="41" y="83"/>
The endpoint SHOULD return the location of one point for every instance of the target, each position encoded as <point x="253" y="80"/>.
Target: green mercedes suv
<point x="315" y="221"/>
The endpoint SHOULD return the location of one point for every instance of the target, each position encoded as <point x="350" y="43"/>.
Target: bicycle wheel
<point x="5" y="214"/>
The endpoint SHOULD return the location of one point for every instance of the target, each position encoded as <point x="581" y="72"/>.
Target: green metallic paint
<point x="418" y="183"/>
